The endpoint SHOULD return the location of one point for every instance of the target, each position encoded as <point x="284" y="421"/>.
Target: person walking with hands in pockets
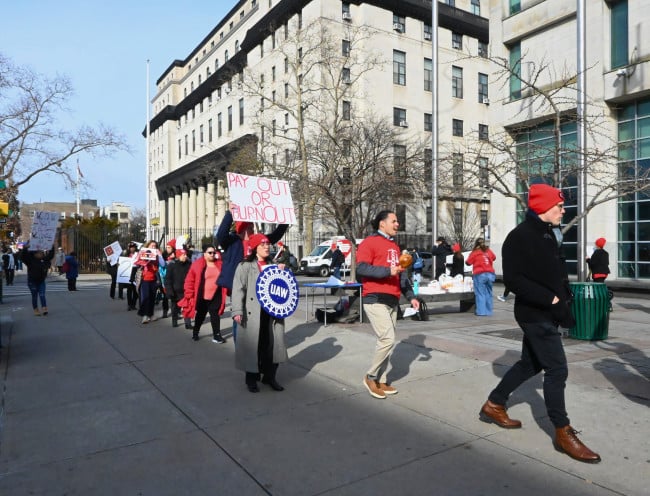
<point x="383" y="280"/>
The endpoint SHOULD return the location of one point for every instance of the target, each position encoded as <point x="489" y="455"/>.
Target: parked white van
<point x="319" y="260"/>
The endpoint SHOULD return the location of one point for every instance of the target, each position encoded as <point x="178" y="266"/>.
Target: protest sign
<point x="43" y="232"/>
<point x="260" y="199"/>
<point x="124" y="269"/>
<point x="113" y="252"/>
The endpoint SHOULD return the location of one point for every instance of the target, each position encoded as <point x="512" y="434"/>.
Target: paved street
<point x="95" y="403"/>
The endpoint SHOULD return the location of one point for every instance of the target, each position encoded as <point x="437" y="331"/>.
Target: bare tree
<point x="461" y="224"/>
<point x="316" y="72"/>
<point x="512" y="159"/>
<point x="32" y="140"/>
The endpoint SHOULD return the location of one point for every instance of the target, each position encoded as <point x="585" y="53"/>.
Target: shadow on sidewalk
<point x="405" y="353"/>
<point x="635" y="384"/>
<point x="316" y="353"/>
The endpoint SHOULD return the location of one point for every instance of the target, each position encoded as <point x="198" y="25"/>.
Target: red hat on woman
<point x="542" y="197"/>
<point x="600" y="242"/>
<point x="241" y="226"/>
<point x="455" y="247"/>
<point x="178" y="253"/>
<point x="172" y="243"/>
<point x="257" y="239"/>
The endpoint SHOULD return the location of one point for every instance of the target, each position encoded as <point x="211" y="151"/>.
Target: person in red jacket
<point x="481" y="260"/>
<point x="202" y="294"/>
<point x="148" y="259"/>
<point x="383" y="280"/>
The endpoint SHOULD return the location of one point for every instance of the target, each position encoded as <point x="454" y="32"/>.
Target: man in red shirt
<point x="383" y="280"/>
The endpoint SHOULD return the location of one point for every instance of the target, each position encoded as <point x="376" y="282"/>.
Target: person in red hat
<point x="260" y="345"/>
<point x="457" y="265"/>
<point x="534" y="269"/>
<point x="599" y="262"/>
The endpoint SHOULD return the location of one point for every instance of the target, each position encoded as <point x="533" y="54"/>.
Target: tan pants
<point x="383" y="319"/>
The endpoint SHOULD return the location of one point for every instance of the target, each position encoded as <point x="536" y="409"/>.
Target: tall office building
<point x="239" y="101"/>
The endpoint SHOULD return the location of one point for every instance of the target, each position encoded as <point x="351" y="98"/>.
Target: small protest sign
<point x="125" y="264"/>
<point x="113" y="252"/>
<point x="260" y="199"/>
<point x="43" y="232"/>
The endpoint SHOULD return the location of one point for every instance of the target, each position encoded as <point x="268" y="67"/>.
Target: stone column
<point x="200" y="210"/>
<point x="192" y="207"/>
<point x="222" y="204"/>
<point x="211" y="220"/>
<point x="178" y="217"/>
<point x="171" y="214"/>
<point x="185" y="212"/>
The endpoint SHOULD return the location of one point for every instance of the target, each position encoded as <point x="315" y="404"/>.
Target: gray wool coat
<point x="244" y="303"/>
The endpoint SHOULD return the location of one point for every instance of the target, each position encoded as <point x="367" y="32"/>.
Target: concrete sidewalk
<point x="93" y="402"/>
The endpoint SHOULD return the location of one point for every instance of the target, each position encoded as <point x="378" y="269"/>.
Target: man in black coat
<point x="534" y="269"/>
<point x="174" y="284"/>
<point x="440" y="250"/>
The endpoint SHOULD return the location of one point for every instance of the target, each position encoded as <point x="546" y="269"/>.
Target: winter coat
<point x="73" y="267"/>
<point x="193" y="287"/>
<point x="244" y="303"/>
<point x="599" y="263"/>
<point x="175" y="280"/>
<point x="441" y="252"/>
<point x="481" y="261"/>
<point x="534" y="268"/>
<point x="457" y="265"/>
<point x="37" y="269"/>
<point x="233" y="248"/>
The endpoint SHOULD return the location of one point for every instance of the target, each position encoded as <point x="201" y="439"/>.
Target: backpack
<point x="65" y="267"/>
<point x="419" y="263"/>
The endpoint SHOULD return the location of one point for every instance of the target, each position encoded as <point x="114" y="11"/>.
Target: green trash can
<point x="591" y="310"/>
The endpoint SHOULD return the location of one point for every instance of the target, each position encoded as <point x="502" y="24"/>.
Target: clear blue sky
<point x="103" y="46"/>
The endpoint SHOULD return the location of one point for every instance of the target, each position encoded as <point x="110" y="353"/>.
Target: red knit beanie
<point x="542" y="197"/>
<point x="241" y="226"/>
<point x="455" y="247"/>
<point x="257" y="239"/>
<point x="172" y="243"/>
<point x="600" y="242"/>
<point x="178" y="253"/>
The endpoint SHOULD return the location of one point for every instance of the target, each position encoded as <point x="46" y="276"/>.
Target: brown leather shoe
<point x="566" y="440"/>
<point x="493" y="413"/>
<point x="386" y="388"/>
<point x="373" y="388"/>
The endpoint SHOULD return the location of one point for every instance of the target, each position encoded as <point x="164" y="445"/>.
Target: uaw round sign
<point x="277" y="291"/>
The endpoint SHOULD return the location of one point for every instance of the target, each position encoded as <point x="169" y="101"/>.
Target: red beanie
<point x="256" y="239"/>
<point x="600" y="242"/>
<point x="455" y="247"/>
<point x="542" y="197"/>
<point x="241" y="226"/>
<point x="172" y="243"/>
<point x="180" y="252"/>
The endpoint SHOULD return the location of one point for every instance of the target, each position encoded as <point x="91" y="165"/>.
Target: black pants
<point x="147" y="298"/>
<point x="9" y="276"/>
<point x="176" y="311"/>
<point x="542" y="349"/>
<point x="131" y="296"/>
<point x="72" y="284"/>
<point x="264" y="352"/>
<point x="203" y="307"/>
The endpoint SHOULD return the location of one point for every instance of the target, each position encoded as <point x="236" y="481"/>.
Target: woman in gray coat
<point x="260" y="345"/>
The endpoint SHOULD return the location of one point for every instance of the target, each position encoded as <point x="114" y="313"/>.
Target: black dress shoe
<point x="253" y="388"/>
<point x="273" y="383"/>
<point x="195" y="337"/>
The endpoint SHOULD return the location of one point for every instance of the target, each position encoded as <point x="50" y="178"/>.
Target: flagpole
<point x="78" y="201"/>
<point x="148" y="196"/>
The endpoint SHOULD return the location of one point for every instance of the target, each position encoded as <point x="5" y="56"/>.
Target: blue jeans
<point x="38" y="291"/>
<point x="483" y="291"/>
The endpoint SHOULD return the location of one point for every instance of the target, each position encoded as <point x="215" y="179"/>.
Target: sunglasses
<point x="210" y="252"/>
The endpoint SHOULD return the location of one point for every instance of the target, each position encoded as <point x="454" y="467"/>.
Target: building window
<point x="219" y="125"/>
<point x="345" y="9"/>
<point x="236" y="46"/>
<point x="201" y="134"/>
<point x="346" y="110"/>
<point x="399" y="68"/>
<point x="457" y="168"/>
<point x="399" y="116"/>
<point x="286" y="119"/>
<point x="187" y="145"/>
<point x="286" y="90"/>
<point x="286" y="30"/>
<point x="428" y="32"/>
<point x="229" y="117"/>
<point x="451" y="3"/>
<point x="226" y="56"/>
<point x="209" y="130"/>
<point x="400" y="213"/>
<point x="399" y="23"/>
<point x="482" y="88"/>
<point x="458" y="219"/>
<point x="273" y="40"/>
<point x="193" y="140"/>
<point x="241" y="111"/>
<point x="619" y="33"/>
<point x="483" y="132"/>
<point x="345" y="48"/>
<point x="399" y="159"/>
<point x="456" y="81"/>
<point x="300" y="20"/>
<point x="457" y="127"/>
<point x="475" y="7"/>
<point x="345" y="75"/>
<point x="428" y="75"/>
<point x="286" y="65"/>
<point x="633" y="239"/>
<point x="287" y="156"/>
<point x="428" y="122"/>
<point x="179" y="148"/>
<point x="273" y="127"/>
<point x="483" y="173"/>
<point x="515" y="71"/>
<point x="262" y="49"/>
<point x="515" y="6"/>
<point x="456" y="41"/>
<point x="273" y="96"/>
<point x="273" y="73"/>
<point x="482" y="49"/>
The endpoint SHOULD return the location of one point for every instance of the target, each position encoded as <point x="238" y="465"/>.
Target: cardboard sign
<point x="125" y="264"/>
<point x="260" y="199"/>
<point x="113" y="252"/>
<point x="148" y="254"/>
<point x="44" y="226"/>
